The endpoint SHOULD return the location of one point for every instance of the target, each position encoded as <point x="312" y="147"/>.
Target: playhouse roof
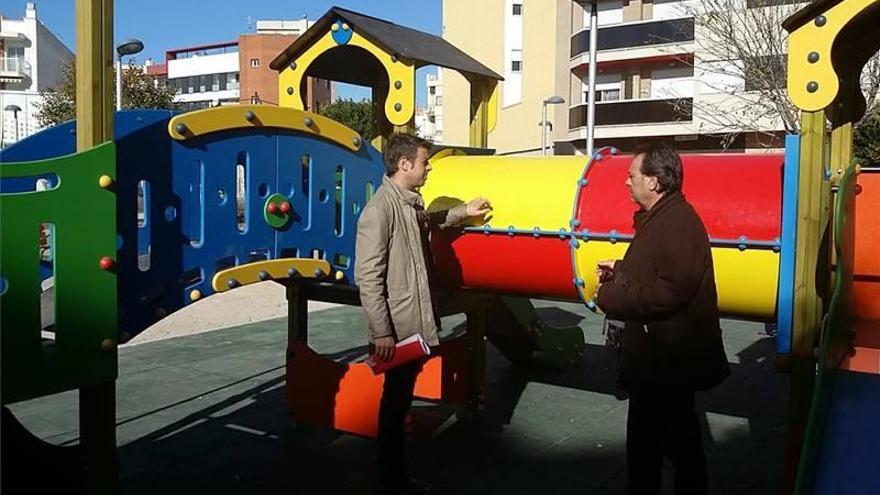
<point x="422" y="48"/>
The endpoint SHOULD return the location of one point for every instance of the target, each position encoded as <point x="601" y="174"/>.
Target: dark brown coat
<point x="664" y="289"/>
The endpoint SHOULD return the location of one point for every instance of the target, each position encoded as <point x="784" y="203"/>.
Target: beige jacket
<point x="390" y="266"/>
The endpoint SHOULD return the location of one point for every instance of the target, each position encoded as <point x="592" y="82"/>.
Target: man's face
<point x="642" y="188"/>
<point x="416" y="171"/>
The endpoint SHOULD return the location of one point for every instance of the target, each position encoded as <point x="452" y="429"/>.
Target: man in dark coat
<point x="664" y="291"/>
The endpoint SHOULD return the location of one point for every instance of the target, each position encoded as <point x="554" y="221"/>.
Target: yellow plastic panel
<point x="276" y="269"/>
<point x="811" y="38"/>
<point x="525" y="192"/>
<point x="229" y="117"/>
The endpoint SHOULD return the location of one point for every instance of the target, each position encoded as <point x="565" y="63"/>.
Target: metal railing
<point x="16" y="65"/>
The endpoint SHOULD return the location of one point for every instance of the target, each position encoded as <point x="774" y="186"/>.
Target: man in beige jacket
<point x="393" y="265"/>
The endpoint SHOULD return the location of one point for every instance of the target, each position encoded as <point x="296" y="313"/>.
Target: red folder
<point x="406" y="351"/>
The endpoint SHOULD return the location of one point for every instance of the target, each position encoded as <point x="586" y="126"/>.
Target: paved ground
<point x="205" y="414"/>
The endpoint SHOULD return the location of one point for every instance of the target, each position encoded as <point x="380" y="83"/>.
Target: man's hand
<point x="605" y="264"/>
<point x="383" y="348"/>
<point x="478" y="207"/>
<point x="605" y="272"/>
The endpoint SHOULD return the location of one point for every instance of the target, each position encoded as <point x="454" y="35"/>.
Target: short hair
<point x="661" y="161"/>
<point x="402" y="145"/>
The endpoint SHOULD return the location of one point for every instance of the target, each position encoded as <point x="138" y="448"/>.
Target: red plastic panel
<point x="345" y="396"/>
<point x="735" y="195"/>
<point x="521" y="264"/>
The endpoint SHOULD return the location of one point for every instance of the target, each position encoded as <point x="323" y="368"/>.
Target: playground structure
<point x="306" y="177"/>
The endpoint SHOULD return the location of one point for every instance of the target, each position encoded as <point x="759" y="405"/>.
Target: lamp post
<point x="553" y="100"/>
<point x="14" y="109"/>
<point x="127" y="47"/>
<point x="591" y="95"/>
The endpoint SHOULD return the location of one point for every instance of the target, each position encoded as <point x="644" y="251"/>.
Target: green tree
<point x="357" y="115"/>
<point x="138" y="91"/>
<point x="866" y="138"/>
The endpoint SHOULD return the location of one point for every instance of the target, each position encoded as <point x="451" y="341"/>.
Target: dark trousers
<point x="664" y="423"/>
<point x="397" y="397"/>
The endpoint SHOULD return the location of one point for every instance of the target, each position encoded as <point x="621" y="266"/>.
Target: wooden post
<point x="479" y="114"/>
<point x="94" y="65"/>
<point x="298" y="314"/>
<point x="476" y="348"/>
<point x="94" y="125"/>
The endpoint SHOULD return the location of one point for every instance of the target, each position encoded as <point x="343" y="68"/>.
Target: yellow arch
<point x="400" y="104"/>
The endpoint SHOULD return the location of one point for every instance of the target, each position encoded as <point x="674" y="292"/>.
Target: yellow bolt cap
<point x="195" y="295"/>
<point x="105" y="181"/>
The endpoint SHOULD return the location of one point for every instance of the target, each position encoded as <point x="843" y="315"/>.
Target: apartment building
<point x="653" y="79"/>
<point x="235" y="71"/>
<point x="31" y="60"/>
<point x="429" y="120"/>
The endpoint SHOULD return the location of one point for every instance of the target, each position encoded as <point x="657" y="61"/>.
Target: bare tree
<point x="740" y="64"/>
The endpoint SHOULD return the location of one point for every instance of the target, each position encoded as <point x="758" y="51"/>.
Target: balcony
<point x="634" y="112"/>
<point x="635" y="35"/>
<point x="14" y="69"/>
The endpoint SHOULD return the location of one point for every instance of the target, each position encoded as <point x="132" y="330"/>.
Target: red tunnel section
<point x="735" y="195"/>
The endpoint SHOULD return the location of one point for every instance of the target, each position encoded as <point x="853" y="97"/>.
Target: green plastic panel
<point x="84" y="218"/>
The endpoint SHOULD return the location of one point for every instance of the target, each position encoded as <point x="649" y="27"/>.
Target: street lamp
<point x="591" y="75"/>
<point x="14" y="109"/>
<point x="553" y="100"/>
<point x="127" y="47"/>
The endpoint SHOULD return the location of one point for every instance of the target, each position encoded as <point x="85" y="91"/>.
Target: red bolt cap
<point x="106" y="263"/>
<point x="272" y="208"/>
<point x="858" y="189"/>
<point x="285" y="207"/>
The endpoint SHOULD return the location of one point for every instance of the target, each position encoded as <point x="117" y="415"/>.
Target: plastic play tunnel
<point x="555" y="217"/>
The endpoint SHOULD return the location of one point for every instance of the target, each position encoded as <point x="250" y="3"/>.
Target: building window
<point x="607" y="95"/>
<point x="15" y="51"/>
<point x="432" y="119"/>
<point x="255" y="62"/>
<point x="517" y="9"/>
<point x="432" y="90"/>
<point x="516" y="66"/>
<point x="439" y="100"/>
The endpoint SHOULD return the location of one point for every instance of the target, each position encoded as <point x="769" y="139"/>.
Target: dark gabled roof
<point x="422" y="48"/>
<point x="808" y="13"/>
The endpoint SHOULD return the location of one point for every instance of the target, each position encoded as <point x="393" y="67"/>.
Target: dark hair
<point x="402" y="145"/>
<point x="661" y="161"/>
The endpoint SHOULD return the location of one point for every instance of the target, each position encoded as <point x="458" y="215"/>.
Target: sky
<point x="168" y="24"/>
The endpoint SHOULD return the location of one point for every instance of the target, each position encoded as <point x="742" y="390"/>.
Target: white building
<point x="433" y="125"/>
<point x="204" y="76"/>
<point x="31" y="60"/>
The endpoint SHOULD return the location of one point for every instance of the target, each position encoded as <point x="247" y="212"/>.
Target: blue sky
<point x="168" y="24"/>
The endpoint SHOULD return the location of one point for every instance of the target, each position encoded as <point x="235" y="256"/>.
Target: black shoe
<point x="416" y="486"/>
